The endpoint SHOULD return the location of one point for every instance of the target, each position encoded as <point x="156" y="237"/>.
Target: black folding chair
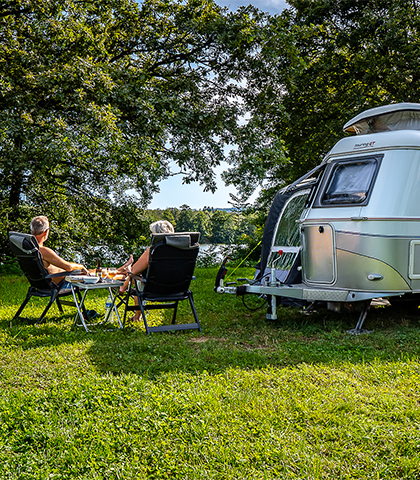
<point x="167" y="279"/>
<point x="26" y="249"/>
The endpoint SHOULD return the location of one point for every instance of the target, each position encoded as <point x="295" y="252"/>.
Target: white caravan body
<point x="357" y="230"/>
<point x="371" y="246"/>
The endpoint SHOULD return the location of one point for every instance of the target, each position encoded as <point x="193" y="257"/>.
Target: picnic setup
<point x="165" y="283"/>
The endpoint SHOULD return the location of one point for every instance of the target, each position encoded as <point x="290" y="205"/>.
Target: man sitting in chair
<point x="40" y="228"/>
<point x="161" y="226"/>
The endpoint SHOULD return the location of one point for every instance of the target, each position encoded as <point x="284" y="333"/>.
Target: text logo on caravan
<point x="364" y="145"/>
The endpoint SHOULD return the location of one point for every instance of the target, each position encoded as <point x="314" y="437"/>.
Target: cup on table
<point x="104" y="273"/>
<point x="112" y="272"/>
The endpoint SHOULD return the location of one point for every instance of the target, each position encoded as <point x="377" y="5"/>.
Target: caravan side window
<point x="350" y="182"/>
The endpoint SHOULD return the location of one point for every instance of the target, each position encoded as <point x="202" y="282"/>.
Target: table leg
<point x="113" y="307"/>
<point x="79" y="307"/>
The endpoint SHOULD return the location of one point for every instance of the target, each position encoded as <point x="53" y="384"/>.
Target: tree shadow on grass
<point x="252" y="342"/>
<point x="233" y="337"/>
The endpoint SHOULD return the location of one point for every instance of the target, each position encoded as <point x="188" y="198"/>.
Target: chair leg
<point x="191" y="300"/>
<point x="126" y="302"/>
<point x="50" y="302"/>
<point x="60" y="308"/>
<point x="20" y="310"/>
<point x="143" y="314"/>
<point x="175" y="311"/>
<point x="125" y="316"/>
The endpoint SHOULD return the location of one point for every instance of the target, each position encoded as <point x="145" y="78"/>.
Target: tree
<point x="98" y="97"/>
<point x="203" y="225"/>
<point x="321" y="63"/>
<point x="169" y="215"/>
<point x="222" y="227"/>
<point x="185" y="221"/>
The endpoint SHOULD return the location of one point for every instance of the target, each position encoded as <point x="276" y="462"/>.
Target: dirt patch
<point x="199" y="339"/>
<point x="203" y="339"/>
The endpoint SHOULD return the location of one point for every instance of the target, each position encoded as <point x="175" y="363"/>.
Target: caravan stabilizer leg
<point x="358" y="330"/>
<point x="272" y="309"/>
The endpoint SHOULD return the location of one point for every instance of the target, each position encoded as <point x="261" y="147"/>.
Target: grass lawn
<point x="245" y="399"/>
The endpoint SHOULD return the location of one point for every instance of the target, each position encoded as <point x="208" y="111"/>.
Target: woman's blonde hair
<point x="162" y="226"/>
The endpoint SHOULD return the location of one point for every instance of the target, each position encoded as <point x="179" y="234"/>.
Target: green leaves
<point x="98" y="98"/>
<point x="320" y="63"/>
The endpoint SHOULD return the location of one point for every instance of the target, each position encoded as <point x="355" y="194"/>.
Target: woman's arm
<point x="137" y="268"/>
<point x="142" y="263"/>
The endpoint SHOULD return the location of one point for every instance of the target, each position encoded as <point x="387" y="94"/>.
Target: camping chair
<point x="26" y="249"/>
<point x="167" y="279"/>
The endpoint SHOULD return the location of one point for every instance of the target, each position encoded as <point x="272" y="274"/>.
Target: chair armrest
<point x="137" y="277"/>
<point x="64" y="273"/>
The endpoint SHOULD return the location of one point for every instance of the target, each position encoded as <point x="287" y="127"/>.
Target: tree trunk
<point x="16" y="183"/>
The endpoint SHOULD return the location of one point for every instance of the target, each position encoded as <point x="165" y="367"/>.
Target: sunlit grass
<point x="247" y="398"/>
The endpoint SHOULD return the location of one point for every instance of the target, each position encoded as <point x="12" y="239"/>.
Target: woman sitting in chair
<point x="161" y="226"/>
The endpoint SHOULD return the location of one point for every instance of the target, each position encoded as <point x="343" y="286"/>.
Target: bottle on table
<point x="98" y="267"/>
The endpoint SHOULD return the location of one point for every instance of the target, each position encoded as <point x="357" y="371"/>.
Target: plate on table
<point x="87" y="279"/>
<point x="82" y="279"/>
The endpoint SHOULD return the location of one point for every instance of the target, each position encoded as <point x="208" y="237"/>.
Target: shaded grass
<point x="247" y="398"/>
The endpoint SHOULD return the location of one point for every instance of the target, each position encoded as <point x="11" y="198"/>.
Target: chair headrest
<point x="181" y="240"/>
<point x="24" y="241"/>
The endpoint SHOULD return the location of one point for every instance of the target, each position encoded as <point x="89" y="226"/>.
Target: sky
<point x="172" y="192"/>
<point x="271" y="6"/>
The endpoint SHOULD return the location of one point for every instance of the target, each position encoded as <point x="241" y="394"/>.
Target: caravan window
<point x="350" y="183"/>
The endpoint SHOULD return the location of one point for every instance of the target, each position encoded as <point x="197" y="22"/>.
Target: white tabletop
<point x="94" y="286"/>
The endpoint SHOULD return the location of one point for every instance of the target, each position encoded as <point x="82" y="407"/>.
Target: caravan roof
<point x="400" y="116"/>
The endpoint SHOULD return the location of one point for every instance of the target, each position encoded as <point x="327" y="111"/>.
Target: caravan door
<point x="281" y="240"/>
<point x="286" y="246"/>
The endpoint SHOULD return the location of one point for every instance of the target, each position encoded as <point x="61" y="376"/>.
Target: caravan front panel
<point x="364" y="268"/>
<point x="372" y="202"/>
<point x="318" y="252"/>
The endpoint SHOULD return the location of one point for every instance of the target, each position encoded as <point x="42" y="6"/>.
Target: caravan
<point x="349" y="230"/>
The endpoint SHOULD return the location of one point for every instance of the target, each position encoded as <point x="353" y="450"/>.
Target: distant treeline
<point x="116" y="231"/>
<point x="217" y="226"/>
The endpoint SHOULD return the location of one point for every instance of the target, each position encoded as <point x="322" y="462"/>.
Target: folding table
<point x="85" y="288"/>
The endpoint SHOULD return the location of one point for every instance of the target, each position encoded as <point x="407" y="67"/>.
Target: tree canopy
<point x="320" y="63"/>
<point x="99" y="97"/>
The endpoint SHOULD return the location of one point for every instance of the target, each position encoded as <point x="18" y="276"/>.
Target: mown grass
<point x="245" y="399"/>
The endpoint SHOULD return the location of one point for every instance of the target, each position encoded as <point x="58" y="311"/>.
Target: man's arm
<point x="50" y="257"/>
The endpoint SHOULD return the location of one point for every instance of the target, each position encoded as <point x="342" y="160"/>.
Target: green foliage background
<point x="102" y="100"/>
